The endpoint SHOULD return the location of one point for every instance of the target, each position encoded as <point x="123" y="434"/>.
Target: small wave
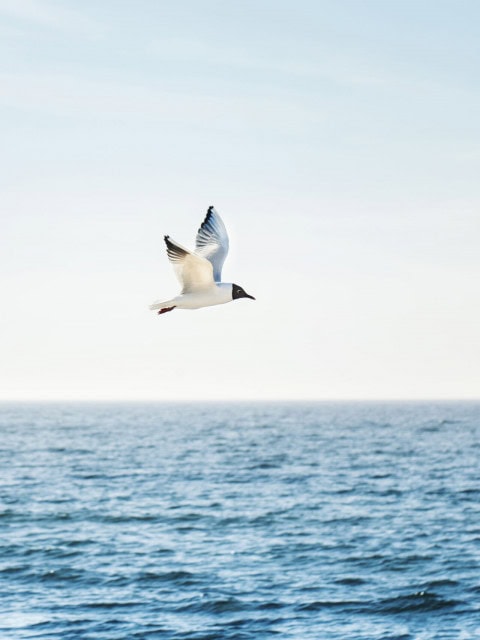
<point x="367" y="560"/>
<point x="470" y="491"/>
<point x="270" y="605"/>
<point x="416" y="602"/>
<point x="218" y="606"/>
<point x="124" y="518"/>
<point x="192" y="516"/>
<point x="405" y="562"/>
<point x="25" y="571"/>
<point x="79" y="543"/>
<point x="348" y="519"/>
<point x="90" y="476"/>
<point x="318" y="605"/>
<point x="112" y="605"/>
<point x="350" y="581"/>
<point x="14" y="570"/>
<point x="260" y="466"/>
<point x="230" y="520"/>
<point x="420" y="601"/>
<point x="430" y="429"/>
<point x="7" y="513"/>
<point x="443" y="582"/>
<point x="267" y="518"/>
<point x="64" y="574"/>
<point x="180" y="577"/>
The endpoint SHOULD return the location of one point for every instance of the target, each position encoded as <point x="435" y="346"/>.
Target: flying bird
<point x="200" y="271"/>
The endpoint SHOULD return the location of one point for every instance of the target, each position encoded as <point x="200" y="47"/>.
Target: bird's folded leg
<point x="165" y="309"/>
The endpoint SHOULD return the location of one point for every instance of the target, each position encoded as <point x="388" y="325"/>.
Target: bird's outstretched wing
<point x="212" y="242"/>
<point x="194" y="272"/>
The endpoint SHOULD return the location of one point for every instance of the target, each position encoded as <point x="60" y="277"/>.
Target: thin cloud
<point x="62" y="94"/>
<point x="44" y="14"/>
<point x="313" y="63"/>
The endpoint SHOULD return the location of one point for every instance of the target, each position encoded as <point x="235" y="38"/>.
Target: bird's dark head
<point x="238" y="292"/>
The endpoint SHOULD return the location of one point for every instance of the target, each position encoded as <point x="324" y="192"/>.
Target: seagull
<point x="200" y="271"/>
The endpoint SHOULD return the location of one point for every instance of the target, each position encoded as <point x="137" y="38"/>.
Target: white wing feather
<point x="194" y="272"/>
<point x="212" y="242"/>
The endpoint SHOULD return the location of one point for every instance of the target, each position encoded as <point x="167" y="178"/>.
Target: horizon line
<point x="5" y="401"/>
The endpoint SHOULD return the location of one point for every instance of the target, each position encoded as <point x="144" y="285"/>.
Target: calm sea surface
<point x="321" y="521"/>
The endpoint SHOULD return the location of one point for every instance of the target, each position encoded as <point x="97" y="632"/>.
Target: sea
<point x="240" y="521"/>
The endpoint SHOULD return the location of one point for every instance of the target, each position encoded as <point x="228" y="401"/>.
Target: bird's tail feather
<point x="161" y="304"/>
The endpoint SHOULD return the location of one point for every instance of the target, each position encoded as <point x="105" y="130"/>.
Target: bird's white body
<point x="200" y="271"/>
<point x="220" y="293"/>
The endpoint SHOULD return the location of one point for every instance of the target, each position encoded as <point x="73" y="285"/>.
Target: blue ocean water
<point x="301" y="521"/>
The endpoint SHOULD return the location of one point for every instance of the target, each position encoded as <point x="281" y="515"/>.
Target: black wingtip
<point x="166" y="238"/>
<point x="208" y="215"/>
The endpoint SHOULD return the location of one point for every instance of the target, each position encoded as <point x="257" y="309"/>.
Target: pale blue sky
<point x="339" y="140"/>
